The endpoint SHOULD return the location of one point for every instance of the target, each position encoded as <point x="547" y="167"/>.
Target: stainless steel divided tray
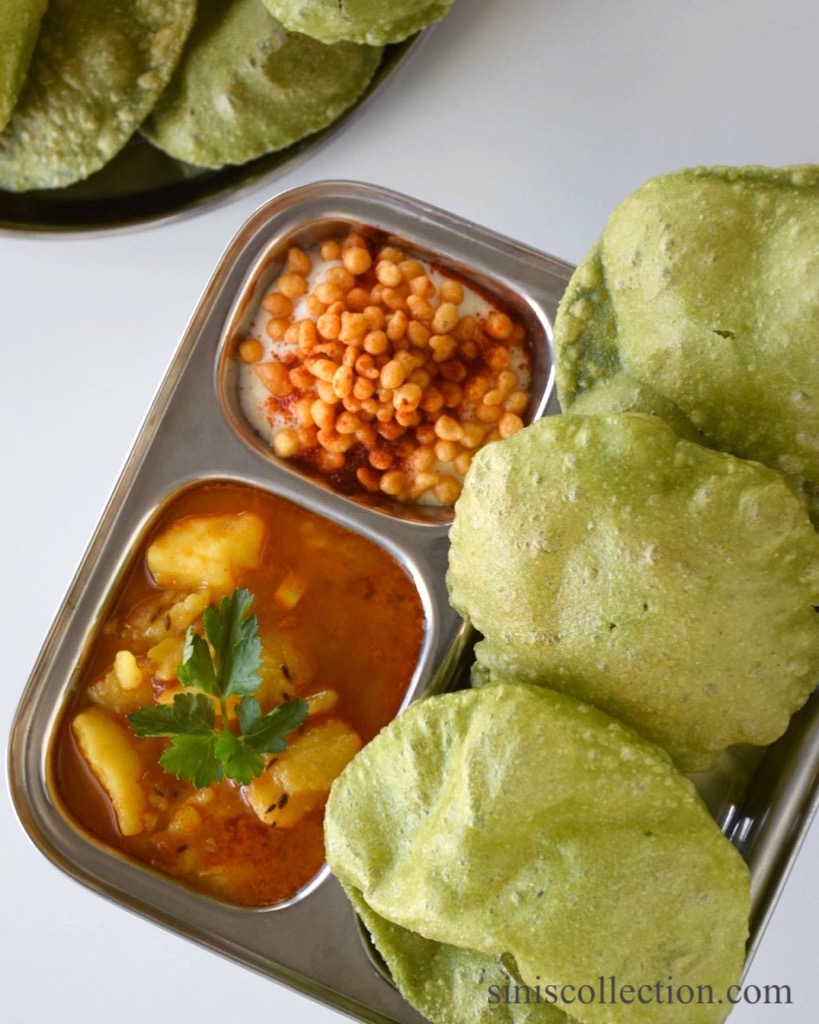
<point x="195" y="431"/>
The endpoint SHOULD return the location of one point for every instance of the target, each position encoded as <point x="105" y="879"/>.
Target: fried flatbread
<point x="550" y="841"/>
<point x="96" y="72"/>
<point x="449" y="984"/>
<point x="623" y="393"/>
<point x="704" y="286"/>
<point x="374" y="22"/>
<point x="247" y="86"/>
<point x="669" y="584"/>
<point x="19" y="28"/>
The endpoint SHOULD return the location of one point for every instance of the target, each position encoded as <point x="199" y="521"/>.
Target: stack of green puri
<point x="508" y="847"/>
<point x="212" y="83"/>
<point x="375" y="22"/>
<point x="700" y="303"/>
<point x="246" y="86"/>
<point x="668" y="584"/>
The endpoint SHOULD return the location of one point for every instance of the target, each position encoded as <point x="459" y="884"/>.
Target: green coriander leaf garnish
<point x="225" y="664"/>
<point x="266" y="732"/>
<point x="241" y="762"/>
<point x="197" y="665"/>
<point x="193" y="757"/>
<point x="189" y="713"/>
<point x="234" y="637"/>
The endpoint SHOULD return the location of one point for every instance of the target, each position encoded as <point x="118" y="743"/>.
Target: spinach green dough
<point x="98" y="68"/>
<point x="623" y="393"/>
<point x="361" y="21"/>
<point x="514" y="835"/>
<point x="247" y="86"/>
<point x="668" y="584"/>
<point x="19" y="28"/>
<point x="451" y="984"/>
<point x="704" y="287"/>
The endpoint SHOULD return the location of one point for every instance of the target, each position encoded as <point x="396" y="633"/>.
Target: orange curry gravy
<point x="337" y="616"/>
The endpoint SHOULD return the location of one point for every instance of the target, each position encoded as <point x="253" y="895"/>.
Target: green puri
<point x="668" y="584"/>
<point x="451" y="984"/>
<point x="362" y="21"/>
<point x="19" y="29"/>
<point x="704" y="290"/>
<point x="96" y="72"/>
<point x="247" y="86"/>
<point x="514" y="835"/>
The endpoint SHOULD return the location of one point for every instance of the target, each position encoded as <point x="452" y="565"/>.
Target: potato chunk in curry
<point x="298" y="781"/>
<point x="110" y="753"/>
<point x="207" y="551"/>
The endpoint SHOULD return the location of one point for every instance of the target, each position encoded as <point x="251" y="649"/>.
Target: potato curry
<point x="339" y="627"/>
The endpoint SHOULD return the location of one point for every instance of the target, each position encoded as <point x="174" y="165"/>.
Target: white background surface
<point x="532" y="117"/>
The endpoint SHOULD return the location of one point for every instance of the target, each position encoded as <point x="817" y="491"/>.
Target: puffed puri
<point x="513" y="836"/>
<point x="668" y="584"/>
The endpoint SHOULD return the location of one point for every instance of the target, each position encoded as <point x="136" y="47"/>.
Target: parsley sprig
<point x="198" y="750"/>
